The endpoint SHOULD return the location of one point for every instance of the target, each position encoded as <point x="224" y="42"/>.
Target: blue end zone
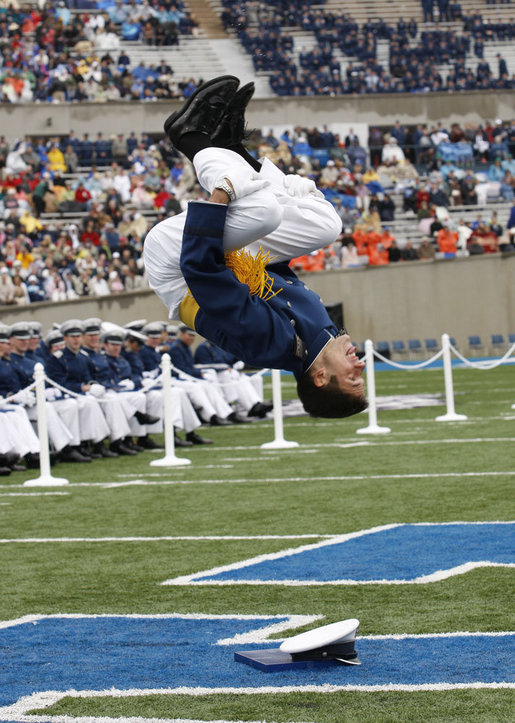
<point x="405" y="552"/>
<point x="132" y="653"/>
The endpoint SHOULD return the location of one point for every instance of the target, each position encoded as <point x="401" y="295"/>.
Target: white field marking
<point x="5" y="504"/>
<point x="31" y="494"/>
<point x="166" y="538"/>
<point x="18" y="711"/>
<point x="437" y="576"/>
<point x="346" y="478"/>
<point x="222" y="538"/>
<point x="191" y="579"/>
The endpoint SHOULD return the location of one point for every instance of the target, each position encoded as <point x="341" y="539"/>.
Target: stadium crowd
<point x="103" y="391"/>
<point x="114" y="190"/>
<point x="415" y="58"/>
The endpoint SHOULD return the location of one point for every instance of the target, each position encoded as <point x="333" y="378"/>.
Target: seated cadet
<point x="245" y="391"/>
<point x="125" y="413"/>
<point x="62" y="414"/>
<point x="209" y="404"/>
<point x="249" y="302"/>
<point x="182" y="359"/>
<point x="34" y="350"/>
<point x="184" y="413"/>
<point x="72" y="368"/>
<point x="17" y="437"/>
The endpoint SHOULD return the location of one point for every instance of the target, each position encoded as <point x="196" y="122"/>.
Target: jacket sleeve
<point x="249" y="320"/>
<point x="56" y="370"/>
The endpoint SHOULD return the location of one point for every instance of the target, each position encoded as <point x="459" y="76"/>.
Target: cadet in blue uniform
<point x="17" y="437"/>
<point x="62" y="414"/>
<point x="34" y="351"/>
<point x="257" y="310"/>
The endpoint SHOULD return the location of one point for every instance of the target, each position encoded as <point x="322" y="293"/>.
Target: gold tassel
<point x="251" y="270"/>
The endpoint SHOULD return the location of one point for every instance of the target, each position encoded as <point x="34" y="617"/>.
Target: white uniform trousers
<point x="68" y="411"/>
<point x="184" y="415"/>
<point x="205" y="398"/>
<point x="92" y="423"/>
<point x="269" y="218"/>
<point x="116" y="412"/>
<point x="133" y="401"/>
<point x="58" y="433"/>
<point x="238" y="389"/>
<point x="16" y="432"/>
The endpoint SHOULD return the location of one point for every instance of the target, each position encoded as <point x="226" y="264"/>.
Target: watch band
<point x="223" y="185"/>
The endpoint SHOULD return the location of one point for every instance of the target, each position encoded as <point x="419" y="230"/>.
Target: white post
<point x="279" y="442"/>
<point x="45" y="478"/>
<point x="169" y="460"/>
<point x="373" y="427"/>
<point x="450" y="415"/>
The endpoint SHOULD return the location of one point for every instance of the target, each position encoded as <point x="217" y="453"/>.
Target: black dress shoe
<point x="203" y="110"/>
<point x="195" y="438"/>
<point x="108" y="453"/>
<point x="147" y="443"/>
<point x="96" y="451"/>
<point x="181" y="442"/>
<point x="72" y="454"/>
<point x="32" y="460"/>
<point x="260" y="409"/>
<point x="129" y="442"/>
<point x="236" y="418"/>
<point x="231" y="129"/>
<point x="5" y="471"/>
<point x="216" y="421"/>
<point x="120" y="448"/>
<point x="146" y="418"/>
<point x="13" y="461"/>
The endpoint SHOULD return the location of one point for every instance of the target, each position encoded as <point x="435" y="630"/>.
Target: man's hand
<point x="299" y="187"/>
<point x="242" y="181"/>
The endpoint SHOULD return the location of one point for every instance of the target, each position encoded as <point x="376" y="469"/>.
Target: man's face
<point x="33" y="342"/>
<point x="92" y="341"/>
<point x="340" y="361"/>
<point x="19" y="346"/>
<point x="187" y="338"/>
<point x="4" y="348"/>
<point x="73" y="342"/>
<point x="112" y="349"/>
<point x="153" y="341"/>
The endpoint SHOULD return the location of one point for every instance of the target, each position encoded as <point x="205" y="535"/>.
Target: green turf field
<point x="55" y="557"/>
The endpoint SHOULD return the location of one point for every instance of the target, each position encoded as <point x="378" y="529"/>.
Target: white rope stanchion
<point x="373" y="427"/>
<point x="450" y="415"/>
<point x="169" y="460"/>
<point x="279" y="441"/>
<point x="45" y="479"/>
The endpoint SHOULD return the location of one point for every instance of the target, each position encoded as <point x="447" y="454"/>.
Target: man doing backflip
<point x="222" y="265"/>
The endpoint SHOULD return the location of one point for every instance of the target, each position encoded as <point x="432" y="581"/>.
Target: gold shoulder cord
<point x="249" y="269"/>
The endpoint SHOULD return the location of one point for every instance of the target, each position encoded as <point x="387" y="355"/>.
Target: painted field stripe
<point x="190" y="579"/>
<point x="164" y="538"/>
<point x="31" y="494"/>
<point x="311" y="478"/>
<point x="49" y="698"/>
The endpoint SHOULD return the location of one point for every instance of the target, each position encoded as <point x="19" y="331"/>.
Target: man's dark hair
<point x="330" y="400"/>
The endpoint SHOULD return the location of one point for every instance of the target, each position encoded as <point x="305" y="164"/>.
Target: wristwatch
<point x="223" y="185"/>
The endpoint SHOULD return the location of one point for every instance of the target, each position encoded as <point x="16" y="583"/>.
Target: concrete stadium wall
<point x="419" y="300"/>
<point x="43" y="119"/>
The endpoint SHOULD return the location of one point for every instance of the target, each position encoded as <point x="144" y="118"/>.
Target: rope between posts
<point x="484" y="364"/>
<point x="188" y="377"/>
<point x="6" y="400"/>
<point x="409" y="367"/>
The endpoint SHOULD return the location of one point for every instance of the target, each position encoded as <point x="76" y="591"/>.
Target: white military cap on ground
<point x="335" y="640"/>
<point x="54" y="336"/>
<point x="4" y="332"/>
<point x="20" y="330"/>
<point x="92" y="326"/>
<point x="153" y="329"/>
<point x="137" y="324"/>
<point x="72" y="327"/>
<point x="35" y="328"/>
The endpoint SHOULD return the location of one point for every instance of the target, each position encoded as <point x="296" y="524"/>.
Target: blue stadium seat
<point x="475" y="343"/>
<point x="431" y="345"/>
<point x="498" y="342"/>
<point x="511" y="338"/>
<point x="399" y="347"/>
<point x="414" y="346"/>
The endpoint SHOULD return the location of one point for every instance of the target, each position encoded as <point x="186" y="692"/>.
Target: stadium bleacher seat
<point x="383" y="347"/>
<point x="399" y="347"/>
<point x="414" y="346"/>
<point x="431" y="345"/>
<point x="498" y="342"/>
<point x="475" y="343"/>
<point x="511" y="338"/>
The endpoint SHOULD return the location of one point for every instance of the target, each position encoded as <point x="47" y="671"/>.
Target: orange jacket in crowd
<point x="447" y="240"/>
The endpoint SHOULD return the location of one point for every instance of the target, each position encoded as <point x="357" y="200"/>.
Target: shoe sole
<point x="248" y="89"/>
<point x="178" y="113"/>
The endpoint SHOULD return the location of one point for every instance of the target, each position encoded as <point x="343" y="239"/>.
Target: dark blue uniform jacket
<point x="286" y="332"/>
<point x="71" y="370"/>
<point x="182" y="358"/>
